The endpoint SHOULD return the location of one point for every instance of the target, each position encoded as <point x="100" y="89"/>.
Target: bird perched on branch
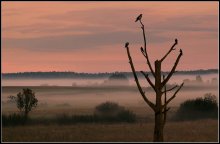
<point x="139" y="17"/>
<point x="181" y="51"/>
<point x="176" y="41"/>
<point x="142" y="50"/>
<point x="126" y="44"/>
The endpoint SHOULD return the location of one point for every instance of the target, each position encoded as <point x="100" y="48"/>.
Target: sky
<point x="90" y="36"/>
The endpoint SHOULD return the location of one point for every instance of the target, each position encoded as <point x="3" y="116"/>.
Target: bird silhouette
<point x="126" y="44"/>
<point x="181" y="51"/>
<point x="176" y="41"/>
<point x="138" y="18"/>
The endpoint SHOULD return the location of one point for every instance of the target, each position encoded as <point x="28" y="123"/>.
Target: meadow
<point x="189" y="131"/>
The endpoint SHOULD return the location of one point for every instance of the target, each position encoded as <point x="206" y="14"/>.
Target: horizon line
<point x="105" y="72"/>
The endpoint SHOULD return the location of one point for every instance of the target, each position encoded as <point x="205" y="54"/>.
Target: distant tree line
<point x="55" y="74"/>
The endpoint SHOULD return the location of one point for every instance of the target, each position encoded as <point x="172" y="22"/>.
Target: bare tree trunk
<point x="158" y="129"/>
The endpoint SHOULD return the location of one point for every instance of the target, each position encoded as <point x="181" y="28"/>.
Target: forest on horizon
<point x="68" y="74"/>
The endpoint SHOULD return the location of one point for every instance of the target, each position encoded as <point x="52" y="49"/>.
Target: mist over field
<point x="85" y="94"/>
<point x="81" y="96"/>
<point x="93" y="81"/>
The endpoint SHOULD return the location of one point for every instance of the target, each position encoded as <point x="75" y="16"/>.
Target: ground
<point x="190" y="131"/>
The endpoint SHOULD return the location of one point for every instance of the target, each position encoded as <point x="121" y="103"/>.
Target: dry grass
<point x="191" y="131"/>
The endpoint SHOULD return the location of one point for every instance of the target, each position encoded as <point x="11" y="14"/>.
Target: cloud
<point x="106" y="15"/>
<point x="46" y="33"/>
<point x="100" y="27"/>
<point x="103" y="20"/>
<point x="55" y="37"/>
<point x="76" y="22"/>
<point x="193" y="23"/>
<point x="11" y="12"/>
<point x="77" y="42"/>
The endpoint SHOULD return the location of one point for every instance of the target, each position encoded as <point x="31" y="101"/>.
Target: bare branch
<point x="174" y="95"/>
<point x="173" y="69"/>
<point x="142" y="51"/>
<point x="163" y="112"/>
<point x="165" y="100"/>
<point x="165" y="115"/>
<point x="172" y="48"/>
<point x="137" y="81"/>
<point x="145" y="42"/>
<point x="170" y="89"/>
<point x="145" y="49"/>
<point x="166" y="110"/>
<point x="149" y="81"/>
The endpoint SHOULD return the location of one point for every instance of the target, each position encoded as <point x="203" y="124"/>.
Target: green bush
<point x="199" y="108"/>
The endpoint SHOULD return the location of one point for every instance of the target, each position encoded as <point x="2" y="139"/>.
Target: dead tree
<point x="159" y="86"/>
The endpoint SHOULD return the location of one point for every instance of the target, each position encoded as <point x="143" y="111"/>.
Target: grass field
<point x="190" y="131"/>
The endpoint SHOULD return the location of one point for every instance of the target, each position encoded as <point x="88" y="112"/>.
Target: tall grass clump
<point x="13" y="120"/>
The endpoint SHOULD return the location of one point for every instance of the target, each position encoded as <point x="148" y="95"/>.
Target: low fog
<point x="176" y="79"/>
<point x="81" y="96"/>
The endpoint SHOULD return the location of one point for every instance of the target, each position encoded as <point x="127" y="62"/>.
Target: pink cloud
<point x="90" y="37"/>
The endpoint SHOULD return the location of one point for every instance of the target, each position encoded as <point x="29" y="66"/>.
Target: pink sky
<point x="90" y="36"/>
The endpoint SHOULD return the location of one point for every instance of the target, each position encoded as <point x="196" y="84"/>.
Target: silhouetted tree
<point x="25" y="101"/>
<point x="160" y="108"/>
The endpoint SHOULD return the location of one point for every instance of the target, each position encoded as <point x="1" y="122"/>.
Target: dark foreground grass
<point x="63" y="119"/>
<point x="188" y="131"/>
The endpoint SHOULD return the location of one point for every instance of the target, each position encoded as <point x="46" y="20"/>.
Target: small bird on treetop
<point x="181" y="51"/>
<point x="176" y="41"/>
<point x="139" y="17"/>
<point x="126" y="44"/>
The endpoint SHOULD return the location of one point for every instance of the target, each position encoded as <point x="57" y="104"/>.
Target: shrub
<point x="198" y="108"/>
<point x="126" y="116"/>
<point x="110" y="111"/>
<point x="13" y="119"/>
